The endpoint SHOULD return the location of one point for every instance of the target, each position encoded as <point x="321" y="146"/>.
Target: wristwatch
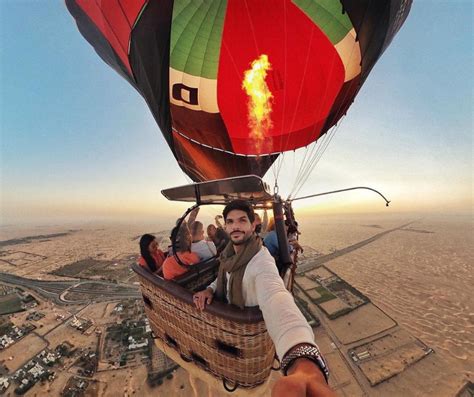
<point x="310" y="352"/>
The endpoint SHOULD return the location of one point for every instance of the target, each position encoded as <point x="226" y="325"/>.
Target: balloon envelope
<point x="188" y="60"/>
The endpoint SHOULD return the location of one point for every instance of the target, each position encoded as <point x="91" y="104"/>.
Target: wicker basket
<point x="230" y="343"/>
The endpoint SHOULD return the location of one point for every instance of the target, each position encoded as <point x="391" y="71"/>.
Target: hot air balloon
<point x="188" y="59"/>
<point x="232" y="84"/>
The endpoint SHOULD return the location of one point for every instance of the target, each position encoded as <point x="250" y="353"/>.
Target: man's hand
<point x="203" y="298"/>
<point x="192" y="216"/>
<point x="296" y="246"/>
<point x="304" y="379"/>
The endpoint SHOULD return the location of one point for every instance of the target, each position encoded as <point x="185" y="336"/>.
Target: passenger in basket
<point x="171" y="267"/>
<point x="204" y="249"/>
<point x="271" y="240"/>
<point x="248" y="277"/>
<point x="261" y="226"/>
<point x="218" y="236"/>
<point x="151" y="256"/>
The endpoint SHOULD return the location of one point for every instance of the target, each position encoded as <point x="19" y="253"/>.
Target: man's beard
<point x="244" y="239"/>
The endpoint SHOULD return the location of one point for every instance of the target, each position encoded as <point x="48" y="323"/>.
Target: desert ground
<point x="422" y="276"/>
<point x="417" y="269"/>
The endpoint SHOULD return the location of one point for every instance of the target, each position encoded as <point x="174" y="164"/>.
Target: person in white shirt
<point x="204" y="249"/>
<point x="248" y="277"/>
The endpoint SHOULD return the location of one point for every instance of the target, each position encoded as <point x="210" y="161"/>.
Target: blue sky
<point x="78" y="143"/>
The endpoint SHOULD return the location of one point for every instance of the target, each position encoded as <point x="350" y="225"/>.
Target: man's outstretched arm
<point x="291" y="335"/>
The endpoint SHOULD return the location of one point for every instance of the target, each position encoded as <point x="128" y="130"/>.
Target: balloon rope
<point x="313" y="160"/>
<point x="308" y="149"/>
<point x="300" y="167"/>
<point x="315" y="149"/>
<point x="312" y="163"/>
<point x="278" y="169"/>
<point x="302" y="175"/>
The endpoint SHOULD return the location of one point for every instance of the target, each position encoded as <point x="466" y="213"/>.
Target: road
<point x="314" y="263"/>
<point x="83" y="291"/>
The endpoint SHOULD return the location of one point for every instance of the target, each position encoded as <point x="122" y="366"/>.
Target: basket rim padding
<point x="248" y="315"/>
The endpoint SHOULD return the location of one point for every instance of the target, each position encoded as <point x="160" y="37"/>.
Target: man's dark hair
<point x="241" y="205"/>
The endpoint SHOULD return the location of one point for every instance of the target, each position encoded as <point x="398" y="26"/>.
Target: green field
<point x="10" y="303"/>
<point x="325" y="295"/>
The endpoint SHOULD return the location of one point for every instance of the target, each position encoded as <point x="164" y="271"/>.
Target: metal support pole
<point x="284" y="254"/>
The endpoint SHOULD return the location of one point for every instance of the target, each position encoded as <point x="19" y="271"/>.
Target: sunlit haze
<point x="79" y="144"/>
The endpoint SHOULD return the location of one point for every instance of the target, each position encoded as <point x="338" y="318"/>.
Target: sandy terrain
<point x="123" y="382"/>
<point x="386" y="343"/>
<point x="321" y="272"/>
<point x="327" y="234"/>
<point x="380" y="369"/>
<point x="130" y="382"/>
<point x="22" y="350"/>
<point x="306" y="283"/>
<point x="350" y="298"/>
<point x="354" y="325"/>
<point x="341" y="379"/>
<point x="420" y="275"/>
<point x="333" y="306"/>
<point x="54" y="388"/>
<point x="75" y="337"/>
<point x="313" y="293"/>
<point x="41" y="256"/>
<point x="45" y="324"/>
<point x="389" y="355"/>
<point x="100" y="313"/>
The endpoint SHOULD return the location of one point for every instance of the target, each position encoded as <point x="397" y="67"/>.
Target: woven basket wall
<point x="241" y="353"/>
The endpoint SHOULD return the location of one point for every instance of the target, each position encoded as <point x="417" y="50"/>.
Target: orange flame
<point x="260" y="99"/>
